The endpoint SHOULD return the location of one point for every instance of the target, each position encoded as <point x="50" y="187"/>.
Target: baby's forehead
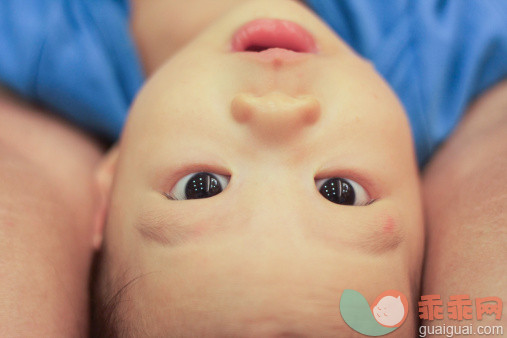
<point x="217" y="283"/>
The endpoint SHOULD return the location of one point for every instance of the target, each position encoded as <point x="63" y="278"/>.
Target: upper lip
<point x="263" y="34"/>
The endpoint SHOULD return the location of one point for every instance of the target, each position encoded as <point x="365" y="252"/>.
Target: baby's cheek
<point x="389" y="225"/>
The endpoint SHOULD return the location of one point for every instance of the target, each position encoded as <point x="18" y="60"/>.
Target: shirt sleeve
<point x="437" y="55"/>
<point x="75" y="57"/>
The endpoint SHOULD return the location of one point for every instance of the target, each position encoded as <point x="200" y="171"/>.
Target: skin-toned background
<point x="47" y="205"/>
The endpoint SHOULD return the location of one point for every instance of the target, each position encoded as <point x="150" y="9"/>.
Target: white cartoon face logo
<point x="389" y="311"/>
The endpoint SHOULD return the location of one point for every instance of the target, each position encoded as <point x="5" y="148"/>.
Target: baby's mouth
<point x="263" y="35"/>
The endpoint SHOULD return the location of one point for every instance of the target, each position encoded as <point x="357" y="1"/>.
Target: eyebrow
<point x="377" y="242"/>
<point x="170" y="232"/>
<point x="160" y="229"/>
<point x="384" y="239"/>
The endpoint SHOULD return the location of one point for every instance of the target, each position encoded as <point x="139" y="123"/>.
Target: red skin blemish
<point x="389" y="225"/>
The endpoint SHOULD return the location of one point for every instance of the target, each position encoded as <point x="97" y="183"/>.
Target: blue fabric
<point x="75" y="57"/>
<point x="436" y="55"/>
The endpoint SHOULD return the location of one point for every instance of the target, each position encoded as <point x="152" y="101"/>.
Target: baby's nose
<point x="276" y="115"/>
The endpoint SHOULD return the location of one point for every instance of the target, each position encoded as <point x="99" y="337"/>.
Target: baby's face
<point x="263" y="252"/>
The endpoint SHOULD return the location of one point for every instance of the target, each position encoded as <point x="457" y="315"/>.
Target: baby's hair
<point x="107" y="308"/>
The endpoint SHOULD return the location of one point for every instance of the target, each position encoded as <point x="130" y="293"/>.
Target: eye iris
<point x="339" y="191"/>
<point x="202" y="185"/>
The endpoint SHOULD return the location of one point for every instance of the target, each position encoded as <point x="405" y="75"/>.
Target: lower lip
<point x="273" y="36"/>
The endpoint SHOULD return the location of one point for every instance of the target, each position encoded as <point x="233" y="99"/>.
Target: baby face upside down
<point x="264" y="169"/>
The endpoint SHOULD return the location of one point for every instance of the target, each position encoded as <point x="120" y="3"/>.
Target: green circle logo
<point x="387" y="313"/>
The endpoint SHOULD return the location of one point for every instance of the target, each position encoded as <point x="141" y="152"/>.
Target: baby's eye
<point x="198" y="185"/>
<point x="343" y="191"/>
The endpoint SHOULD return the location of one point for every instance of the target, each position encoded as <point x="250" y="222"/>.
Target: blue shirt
<point x="77" y="56"/>
<point x="436" y="55"/>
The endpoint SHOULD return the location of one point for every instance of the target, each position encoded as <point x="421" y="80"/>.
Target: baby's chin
<point x="227" y="291"/>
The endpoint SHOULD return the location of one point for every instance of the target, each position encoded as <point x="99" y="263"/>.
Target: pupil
<point x="339" y="191"/>
<point x="202" y="185"/>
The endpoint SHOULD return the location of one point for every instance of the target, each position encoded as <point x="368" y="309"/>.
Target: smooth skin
<point x="465" y="196"/>
<point x="47" y="205"/>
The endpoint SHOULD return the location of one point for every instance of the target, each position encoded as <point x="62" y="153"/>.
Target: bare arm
<point x="465" y="192"/>
<point x="46" y="207"/>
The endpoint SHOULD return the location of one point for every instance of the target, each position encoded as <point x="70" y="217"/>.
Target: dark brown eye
<point x="198" y="185"/>
<point x="342" y="191"/>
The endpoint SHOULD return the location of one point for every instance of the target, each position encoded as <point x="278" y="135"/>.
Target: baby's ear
<point x="103" y="181"/>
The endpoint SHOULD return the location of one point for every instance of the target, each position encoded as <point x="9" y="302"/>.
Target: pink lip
<point x="261" y="35"/>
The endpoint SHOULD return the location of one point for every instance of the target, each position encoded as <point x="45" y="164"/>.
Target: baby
<point x="263" y="170"/>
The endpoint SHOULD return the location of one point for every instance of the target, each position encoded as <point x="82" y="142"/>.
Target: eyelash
<point x="170" y="196"/>
<point x="371" y="201"/>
